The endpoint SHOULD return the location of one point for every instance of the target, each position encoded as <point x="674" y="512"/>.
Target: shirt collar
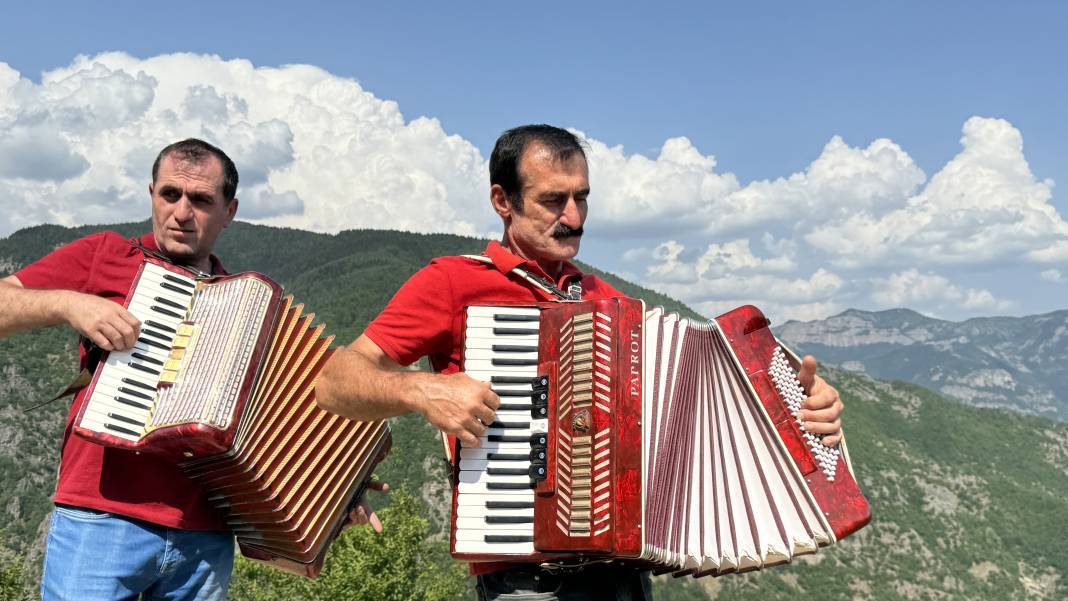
<point x="149" y="241"/>
<point x="505" y="261"/>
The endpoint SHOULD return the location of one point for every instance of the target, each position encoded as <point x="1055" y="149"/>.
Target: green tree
<point x="13" y="585"/>
<point x="397" y="565"/>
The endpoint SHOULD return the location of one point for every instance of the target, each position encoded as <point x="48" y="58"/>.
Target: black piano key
<point x="539" y="440"/>
<point x="511" y="392"/>
<point x="510" y="425"/>
<point x="514" y="332"/>
<point x="507" y="438"/>
<point x="159" y="326"/>
<point x="507" y="471"/>
<point x="508" y="362"/>
<point x="126" y="401"/>
<point x="508" y="538"/>
<point x="121" y="429"/>
<point x="515" y="317"/>
<point x="538" y="472"/>
<point x="539" y="412"/>
<point x="508" y="485"/>
<point x="135" y="393"/>
<point x="509" y="504"/>
<point x="509" y="519"/>
<point x="170" y="303"/>
<point x="153" y="343"/>
<point x="507" y="457"/>
<point x="538" y="455"/>
<point x="174" y="288"/>
<point x="156" y="334"/>
<point x="123" y="418"/>
<point x="163" y="311"/>
<point x="144" y="368"/>
<point x="139" y="384"/>
<point x="514" y="348"/>
<point x="512" y="379"/>
<point x="179" y="281"/>
<point x="513" y="407"/>
<point x="147" y="358"/>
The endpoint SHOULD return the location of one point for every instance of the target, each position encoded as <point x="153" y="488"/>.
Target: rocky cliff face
<point x="1019" y="363"/>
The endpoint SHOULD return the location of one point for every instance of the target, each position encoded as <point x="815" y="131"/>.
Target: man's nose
<point x="183" y="209"/>
<point x="571" y="216"/>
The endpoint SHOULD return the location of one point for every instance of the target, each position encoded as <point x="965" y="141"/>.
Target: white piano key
<point x="479" y="336"/>
<point x="486" y="372"/>
<point x="480" y="523"/>
<point x="517" y="415"/>
<point x="481" y="488"/>
<point x="481" y="499"/>
<point x="482" y="464"/>
<point x="106" y="404"/>
<point x="480" y="340"/>
<point x="478" y="535"/>
<point x="480" y="353"/>
<point x="482" y="311"/>
<point x="525" y="432"/>
<point x="476" y="477"/>
<point x="483" y="548"/>
<point x="105" y="415"/>
<point x="481" y="511"/>
<point x="494" y="447"/>
<point x="486" y="365"/>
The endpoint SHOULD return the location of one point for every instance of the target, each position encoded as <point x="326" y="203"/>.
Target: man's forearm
<point x="354" y="386"/>
<point x="25" y="309"/>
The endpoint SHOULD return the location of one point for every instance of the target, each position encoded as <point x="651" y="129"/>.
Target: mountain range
<point x="1019" y="363"/>
<point x="965" y="500"/>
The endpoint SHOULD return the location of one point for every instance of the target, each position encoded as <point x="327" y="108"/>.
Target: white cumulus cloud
<point x="912" y="288"/>
<point x="985" y="205"/>
<point x="314" y="150"/>
<point x="859" y="226"/>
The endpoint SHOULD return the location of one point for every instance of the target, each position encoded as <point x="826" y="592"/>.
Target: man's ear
<point x="151" y="187"/>
<point x="501" y="204"/>
<point x="231" y="210"/>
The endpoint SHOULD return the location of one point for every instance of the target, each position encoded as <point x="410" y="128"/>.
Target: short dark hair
<point x="509" y="149"/>
<point x="195" y="150"/>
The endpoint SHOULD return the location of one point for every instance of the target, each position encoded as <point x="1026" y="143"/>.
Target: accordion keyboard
<point x="124" y="396"/>
<point x="495" y="494"/>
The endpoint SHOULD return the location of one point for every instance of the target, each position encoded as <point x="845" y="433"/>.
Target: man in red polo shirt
<point x="539" y="184"/>
<point x="128" y="524"/>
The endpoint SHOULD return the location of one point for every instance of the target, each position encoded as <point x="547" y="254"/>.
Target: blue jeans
<point x="92" y="555"/>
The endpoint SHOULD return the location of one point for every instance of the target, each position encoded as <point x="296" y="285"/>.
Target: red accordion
<point x="642" y="436"/>
<point x="221" y="380"/>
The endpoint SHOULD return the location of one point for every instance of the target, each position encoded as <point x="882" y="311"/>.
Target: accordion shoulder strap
<point x="573" y="294"/>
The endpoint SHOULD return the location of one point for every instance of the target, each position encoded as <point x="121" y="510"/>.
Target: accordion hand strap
<point x="573" y="294"/>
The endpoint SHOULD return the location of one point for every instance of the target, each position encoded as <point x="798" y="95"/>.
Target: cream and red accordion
<point x="221" y="381"/>
<point x="634" y="435"/>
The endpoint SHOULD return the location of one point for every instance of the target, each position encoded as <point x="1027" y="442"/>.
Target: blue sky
<point x="761" y="87"/>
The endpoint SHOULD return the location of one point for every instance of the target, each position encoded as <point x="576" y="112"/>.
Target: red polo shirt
<point x="136" y="485"/>
<point x="425" y="317"/>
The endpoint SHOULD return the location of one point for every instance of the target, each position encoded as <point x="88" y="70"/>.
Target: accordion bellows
<point x="222" y="382"/>
<point x="663" y="441"/>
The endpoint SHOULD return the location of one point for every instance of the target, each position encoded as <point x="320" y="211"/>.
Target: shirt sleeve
<point x="418" y="320"/>
<point x="68" y="267"/>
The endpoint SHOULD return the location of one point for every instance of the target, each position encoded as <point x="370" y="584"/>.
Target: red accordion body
<point x="221" y="381"/>
<point x="623" y="471"/>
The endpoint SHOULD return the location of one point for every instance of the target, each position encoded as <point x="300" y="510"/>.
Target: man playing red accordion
<point x="539" y="187"/>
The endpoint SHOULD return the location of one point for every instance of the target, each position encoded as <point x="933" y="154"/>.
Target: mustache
<point x="566" y="231"/>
